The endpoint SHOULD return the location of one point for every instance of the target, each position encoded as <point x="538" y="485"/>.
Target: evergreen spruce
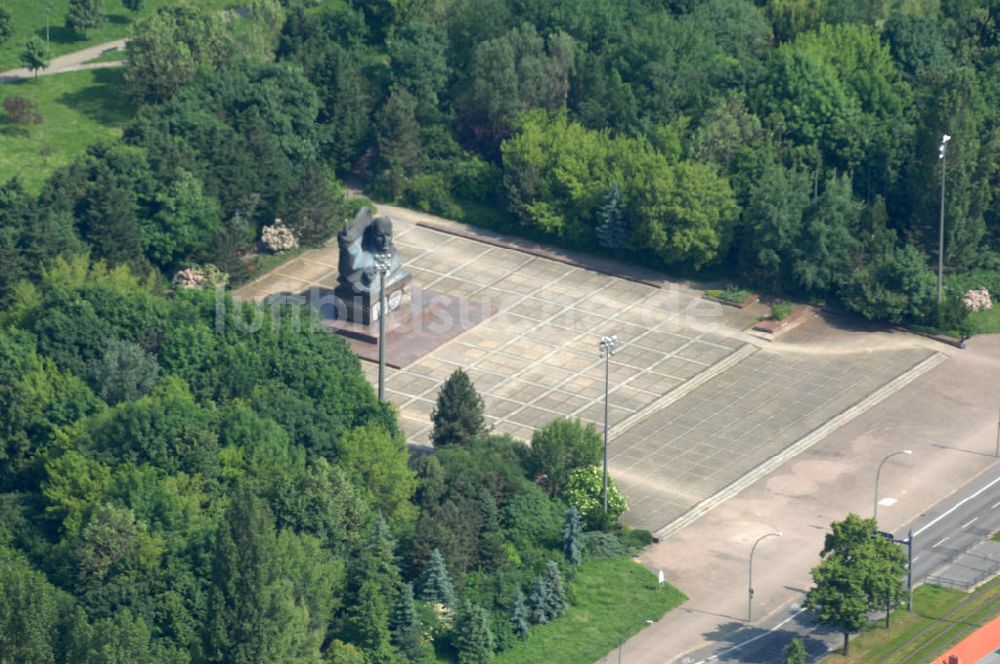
<point x="538" y="601"/>
<point x="519" y="616"/>
<point x="473" y="639"/>
<point x="369" y="622"/>
<point x="404" y="626"/>
<point x="458" y="416"/>
<point x="491" y="548"/>
<point x="437" y="585"/>
<point x="573" y="537"/>
<point x="555" y="604"/>
<point x="613" y="227"/>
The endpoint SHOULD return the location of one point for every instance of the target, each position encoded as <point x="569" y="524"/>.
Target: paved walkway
<point x="76" y="61"/>
<point x="709" y="439"/>
<point x="946" y="416"/>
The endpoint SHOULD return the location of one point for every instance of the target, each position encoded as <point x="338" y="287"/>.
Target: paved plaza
<point x="537" y="358"/>
<point x="672" y="460"/>
<point x="696" y="403"/>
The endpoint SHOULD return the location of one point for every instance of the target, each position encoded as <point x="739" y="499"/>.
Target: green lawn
<point x="987" y="322"/>
<point x="29" y="20"/>
<point x="941" y="618"/>
<point x="611" y="597"/>
<point x="78" y="109"/>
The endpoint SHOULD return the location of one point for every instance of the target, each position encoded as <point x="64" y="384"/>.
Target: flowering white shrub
<point x="278" y="238"/>
<point x="205" y="276"/>
<point x="977" y="300"/>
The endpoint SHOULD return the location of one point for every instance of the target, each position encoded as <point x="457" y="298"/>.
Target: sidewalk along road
<point x="948" y="417"/>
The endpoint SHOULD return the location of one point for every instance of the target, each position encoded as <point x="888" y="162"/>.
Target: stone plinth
<point x="423" y="321"/>
<point x="362" y="308"/>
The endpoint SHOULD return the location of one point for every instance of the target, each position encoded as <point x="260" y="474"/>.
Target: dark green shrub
<point x="780" y="310"/>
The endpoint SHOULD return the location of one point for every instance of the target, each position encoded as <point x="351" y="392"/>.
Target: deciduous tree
<point x="34" y="55"/>
<point x="560" y="447"/>
<point x="84" y="15"/>
<point x="6" y="24"/>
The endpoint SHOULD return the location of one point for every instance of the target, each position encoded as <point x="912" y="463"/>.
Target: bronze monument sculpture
<point x="363" y="246"/>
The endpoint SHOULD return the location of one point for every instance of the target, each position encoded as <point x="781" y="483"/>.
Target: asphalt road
<point x="940" y="534"/>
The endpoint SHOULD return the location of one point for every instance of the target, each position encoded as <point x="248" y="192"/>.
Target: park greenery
<point x="185" y="478"/>
<point x="940" y="619"/>
<point x="789" y="145"/>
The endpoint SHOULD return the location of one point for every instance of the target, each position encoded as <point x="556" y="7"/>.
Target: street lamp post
<point x="879" y="472"/>
<point x="606" y="346"/>
<point x="382" y="266"/>
<point x="48" y="12"/>
<point x="753" y="549"/>
<point x="621" y="639"/>
<point x="942" y="149"/>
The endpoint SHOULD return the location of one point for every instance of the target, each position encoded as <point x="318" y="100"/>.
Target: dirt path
<point x="76" y="61"/>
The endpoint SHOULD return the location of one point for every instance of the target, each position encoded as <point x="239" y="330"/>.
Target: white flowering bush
<point x="278" y="238"/>
<point x="977" y="300"/>
<point x="204" y="276"/>
<point x="585" y="491"/>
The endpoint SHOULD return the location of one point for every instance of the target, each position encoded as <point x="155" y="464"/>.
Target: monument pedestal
<point x="423" y="321"/>
<point x="363" y="308"/>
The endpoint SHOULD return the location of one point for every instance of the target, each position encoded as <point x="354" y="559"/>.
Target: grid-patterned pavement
<point x="537" y="359"/>
<point x="670" y="461"/>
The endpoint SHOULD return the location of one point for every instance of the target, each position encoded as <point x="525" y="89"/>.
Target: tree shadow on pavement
<point x="739" y="642"/>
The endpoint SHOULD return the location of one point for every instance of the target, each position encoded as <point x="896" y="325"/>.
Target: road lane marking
<point x="994" y="505"/>
<point x="969" y="523"/>
<point x="939" y="543"/>
<point x="751" y="640"/>
<point x="957" y="505"/>
<point x="916" y="558"/>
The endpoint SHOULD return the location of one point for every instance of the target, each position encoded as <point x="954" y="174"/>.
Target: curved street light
<point x="621" y="639"/>
<point x="879" y="472"/>
<point x="776" y="533"/>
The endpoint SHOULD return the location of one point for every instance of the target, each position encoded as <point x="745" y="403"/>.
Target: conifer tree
<point x="613" y="226"/>
<point x="556" y="602"/>
<point x="404" y="626"/>
<point x="458" y="416"/>
<point x="519" y="616"/>
<point x="573" y="537"/>
<point x="369" y="621"/>
<point x="249" y="616"/>
<point x="473" y="639"/>
<point x="437" y="585"/>
<point x="538" y="601"/>
<point x="491" y="549"/>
